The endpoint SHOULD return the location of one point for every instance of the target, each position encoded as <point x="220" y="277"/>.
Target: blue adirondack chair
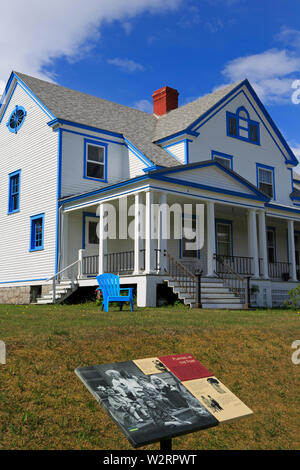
<point x="109" y="284"/>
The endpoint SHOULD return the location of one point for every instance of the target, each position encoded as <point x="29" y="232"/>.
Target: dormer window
<point x="240" y="126"/>
<point x="95" y="160"/>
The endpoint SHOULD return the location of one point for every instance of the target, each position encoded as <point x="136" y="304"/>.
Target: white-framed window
<point x="224" y="238"/>
<point x="265" y="180"/>
<point x="95" y="160"/>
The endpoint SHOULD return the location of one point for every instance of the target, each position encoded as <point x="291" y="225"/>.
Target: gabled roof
<point x="169" y="174"/>
<point x="178" y="120"/>
<point x="88" y="110"/>
<point x="139" y="128"/>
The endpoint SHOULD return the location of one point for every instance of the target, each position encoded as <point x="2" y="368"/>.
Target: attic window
<point x="95" y="156"/>
<point x="240" y="126"/>
<point x="16" y="119"/>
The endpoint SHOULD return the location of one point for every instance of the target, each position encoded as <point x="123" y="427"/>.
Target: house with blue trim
<point x="65" y="155"/>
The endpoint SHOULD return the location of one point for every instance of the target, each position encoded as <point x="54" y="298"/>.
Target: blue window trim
<point x="96" y="143"/>
<point x="248" y="122"/>
<point x="266" y="167"/>
<point x="168" y="148"/>
<point x="180" y="246"/>
<point x="32" y="234"/>
<point x="225" y="222"/>
<point x="10" y="194"/>
<point x="273" y="229"/>
<point x="16" y="129"/>
<point x="84" y="216"/>
<point x="222" y="155"/>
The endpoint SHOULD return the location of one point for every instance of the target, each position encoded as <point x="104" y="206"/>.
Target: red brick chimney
<point x="164" y="100"/>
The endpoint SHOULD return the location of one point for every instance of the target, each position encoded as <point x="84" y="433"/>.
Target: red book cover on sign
<point x="185" y="366"/>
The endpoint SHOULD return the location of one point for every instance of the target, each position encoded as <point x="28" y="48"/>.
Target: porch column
<point x="138" y="241"/>
<point x="263" y="252"/>
<point x="211" y="238"/>
<point x="292" y="257"/>
<point x="102" y="240"/>
<point x="252" y="241"/>
<point x="162" y="231"/>
<point x="65" y="239"/>
<point x="149" y="234"/>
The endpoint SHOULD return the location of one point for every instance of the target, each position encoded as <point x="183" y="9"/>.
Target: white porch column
<point x="138" y="241"/>
<point x="149" y="234"/>
<point x="162" y="231"/>
<point x="211" y="238"/>
<point x="263" y="252"/>
<point x="102" y="241"/>
<point x="292" y="257"/>
<point x="65" y="243"/>
<point x="252" y="241"/>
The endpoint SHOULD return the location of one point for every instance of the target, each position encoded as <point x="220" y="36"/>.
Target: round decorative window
<point x="16" y="119"/>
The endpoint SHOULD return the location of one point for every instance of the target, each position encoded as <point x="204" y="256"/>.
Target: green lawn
<point x="43" y="405"/>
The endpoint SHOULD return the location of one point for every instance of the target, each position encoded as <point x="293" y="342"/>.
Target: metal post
<point x="54" y="290"/>
<point x="247" y="293"/>
<point x="166" y="444"/>
<point x="198" y="289"/>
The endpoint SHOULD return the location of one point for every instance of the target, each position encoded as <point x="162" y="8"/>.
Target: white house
<point x="66" y="154"/>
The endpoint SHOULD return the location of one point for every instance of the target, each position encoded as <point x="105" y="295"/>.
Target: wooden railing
<point x="90" y="265"/>
<point x="177" y="271"/>
<point x="239" y="264"/>
<point x="237" y="283"/>
<point x="279" y="270"/>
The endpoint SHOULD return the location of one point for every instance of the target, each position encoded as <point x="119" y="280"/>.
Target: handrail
<point x="54" y="277"/>
<point x="185" y="278"/>
<point x="236" y="283"/>
<point x="65" y="269"/>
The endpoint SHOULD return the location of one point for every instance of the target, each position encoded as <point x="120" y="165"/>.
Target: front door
<point x="91" y="237"/>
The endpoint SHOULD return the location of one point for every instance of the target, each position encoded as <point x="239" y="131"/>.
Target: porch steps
<point x="63" y="291"/>
<point x="214" y="294"/>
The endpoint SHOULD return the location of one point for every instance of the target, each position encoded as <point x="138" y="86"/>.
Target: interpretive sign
<point x="155" y="399"/>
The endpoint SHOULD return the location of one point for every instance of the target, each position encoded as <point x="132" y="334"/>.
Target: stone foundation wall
<point x="15" y="295"/>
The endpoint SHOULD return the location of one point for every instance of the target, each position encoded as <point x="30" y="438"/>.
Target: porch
<point x="238" y="241"/>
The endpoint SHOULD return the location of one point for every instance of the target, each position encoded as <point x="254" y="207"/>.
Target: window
<point x="265" y="180"/>
<point x="224" y="238"/>
<point x="93" y="237"/>
<point x="37" y="232"/>
<point x="240" y="126"/>
<point x="16" y="119"/>
<point x="271" y="245"/>
<point x="14" y="192"/>
<point x="95" y="160"/>
<point x="223" y="158"/>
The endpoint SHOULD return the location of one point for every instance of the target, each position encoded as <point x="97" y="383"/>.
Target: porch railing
<point x="183" y="276"/>
<point x="238" y="264"/>
<point x="279" y="270"/>
<point x="237" y="283"/>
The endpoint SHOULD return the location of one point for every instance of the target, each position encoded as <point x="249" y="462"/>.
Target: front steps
<point x="63" y="291"/>
<point x="214" y="295"/>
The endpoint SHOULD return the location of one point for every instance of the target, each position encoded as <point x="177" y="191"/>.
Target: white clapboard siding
<point x="213" y="177"/>
<point x="73" y="181"/>
<point x="213" y="137"/>
<point x="33" y="150"/>
<point x="177" y="151"/>
<point x="136" y="165"/>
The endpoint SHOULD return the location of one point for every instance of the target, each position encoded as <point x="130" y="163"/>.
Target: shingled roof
<point x="140" y="128"/>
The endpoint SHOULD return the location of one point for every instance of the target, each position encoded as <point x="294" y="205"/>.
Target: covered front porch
<point x="239" y="240"/>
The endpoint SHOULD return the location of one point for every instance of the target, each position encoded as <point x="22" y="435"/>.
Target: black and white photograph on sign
<point x="146" y="407"/>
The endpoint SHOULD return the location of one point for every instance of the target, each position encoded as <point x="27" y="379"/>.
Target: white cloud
<point x="35" y="33"/>
<point x="126" y="64"/>
<point x="144" y="105"/>
<point x="271" y="73"/>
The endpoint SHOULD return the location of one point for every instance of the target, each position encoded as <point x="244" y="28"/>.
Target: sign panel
<point x="147" y="407"/>
<point x="217" y="398"/>
<point x="185" y="366"/>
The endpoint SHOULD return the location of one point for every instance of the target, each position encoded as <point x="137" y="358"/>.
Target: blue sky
<point x="123" y="50"/>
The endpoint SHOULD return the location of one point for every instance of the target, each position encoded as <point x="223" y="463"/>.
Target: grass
<point x="43" y="405"/>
